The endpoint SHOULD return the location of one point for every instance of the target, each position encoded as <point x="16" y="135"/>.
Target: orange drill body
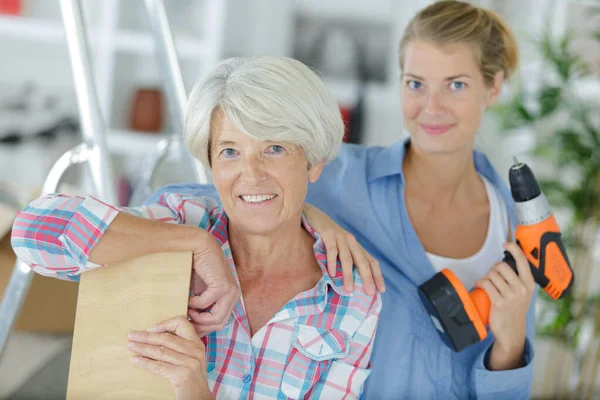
<point x="545" y="252"/>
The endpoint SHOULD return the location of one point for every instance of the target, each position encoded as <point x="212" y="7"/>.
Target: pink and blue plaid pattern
<point x="318" y="345"/>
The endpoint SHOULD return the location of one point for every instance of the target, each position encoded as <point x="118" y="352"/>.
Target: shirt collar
<point x="219" y="231"/>
<point x="337" y="282"/>
<point x="389" y="161"/>
<point x="219" y="228"/>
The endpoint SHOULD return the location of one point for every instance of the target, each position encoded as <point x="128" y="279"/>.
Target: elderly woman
<point x="265" y="126"/>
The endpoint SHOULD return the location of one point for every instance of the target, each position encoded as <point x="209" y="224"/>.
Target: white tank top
<point x="469" y="270"/>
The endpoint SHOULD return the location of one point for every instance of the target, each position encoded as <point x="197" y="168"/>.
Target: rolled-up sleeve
<point x="55" y="234"/>
<point x="508" y="384"/>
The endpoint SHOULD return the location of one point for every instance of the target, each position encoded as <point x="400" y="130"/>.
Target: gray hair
<point x="267" y="98"/>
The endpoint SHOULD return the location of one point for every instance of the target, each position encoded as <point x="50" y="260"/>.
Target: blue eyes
<point x="454" y="85"/>
<point x="414" y="85"/>
<point x="457" y="85"/>
<point x="276" y="149"/>
<point x="228" y="153"/>
<point x="272" y="150"/>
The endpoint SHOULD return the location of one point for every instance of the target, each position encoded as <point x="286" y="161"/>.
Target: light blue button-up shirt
<point x="363" y="191"/>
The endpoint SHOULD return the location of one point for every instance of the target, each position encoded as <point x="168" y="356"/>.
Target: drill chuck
<point x="531" y="206"/>
<point x="533" y="211"/>
<point x="523" y="184"/>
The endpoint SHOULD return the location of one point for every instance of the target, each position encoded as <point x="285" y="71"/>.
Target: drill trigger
<point x="510" y="260"/>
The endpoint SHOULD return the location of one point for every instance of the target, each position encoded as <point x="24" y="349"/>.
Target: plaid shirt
<point x="317" y="346"/>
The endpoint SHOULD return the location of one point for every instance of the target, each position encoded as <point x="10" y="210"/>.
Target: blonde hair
<point x="451" y="21"/>
<point x="266" y="98"/>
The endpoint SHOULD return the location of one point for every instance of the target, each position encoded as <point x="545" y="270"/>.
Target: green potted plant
<point x="566" y="129"/>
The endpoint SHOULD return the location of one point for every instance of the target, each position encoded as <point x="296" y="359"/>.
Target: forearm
<point x="510" y="353"/>
<point x="56" y="234"/>
<point x="499" y="374"/>
<point x="129" y="236"/>
<point x="508" y="356"/>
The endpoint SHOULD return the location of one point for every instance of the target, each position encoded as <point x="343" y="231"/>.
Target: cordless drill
<point x="461" y="316"/>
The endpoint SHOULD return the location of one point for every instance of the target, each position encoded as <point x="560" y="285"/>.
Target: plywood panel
<point x="113" y="301"/>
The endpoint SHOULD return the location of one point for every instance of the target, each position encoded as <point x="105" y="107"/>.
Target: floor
<point x="35" y="366"/>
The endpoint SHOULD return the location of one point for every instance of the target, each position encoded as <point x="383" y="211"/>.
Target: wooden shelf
<point x="31" y="29"/>
<point x="142" y="43"/>
<point x="129" y="41"/>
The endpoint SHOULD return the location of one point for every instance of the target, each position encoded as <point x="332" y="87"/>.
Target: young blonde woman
<point x="432" y="202"/>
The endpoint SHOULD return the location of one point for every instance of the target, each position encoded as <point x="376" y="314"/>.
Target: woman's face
<point x="444" y="96"/>
<point x="262" y="184"/>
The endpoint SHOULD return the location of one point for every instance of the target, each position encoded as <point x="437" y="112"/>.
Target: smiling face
<point x="444" y="96"/>
<point x="262" y="184"/>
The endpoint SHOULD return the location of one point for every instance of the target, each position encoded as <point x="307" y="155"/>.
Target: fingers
<point x="347" y="266"/>
<point x="377" y="275"/>
<point x="490" y="289"/>
<point x="206" y="322"/>
<point x="329" y="240"/>
<point x="194" y="317"/>
<point x="183" y="371"/>
<point x="197" y="285"/>
<point x="222" y="303"/>
<point x="197" y="327"/>
<point x="158" y="353"/>
<point x="348" y="250"/>
<point x="352" y="254"/>
<point x="160" y="368"/>
<point x="162" y="352"/>
<point x="513" y="280"/>
<point x="163" y="340"/>
<point x="339" y="243"/>
<point x="363" y="264"/>
<point x="203" y="324"/>
<point x="216" y="318"/>
<point x="522" y="264"/>
<point x="179" y="325"/>
<point x="500" y="283"/>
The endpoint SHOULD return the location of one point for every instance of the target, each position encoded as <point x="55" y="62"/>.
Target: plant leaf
<point x="550" y="98"/>
<point x="574" y="148"/>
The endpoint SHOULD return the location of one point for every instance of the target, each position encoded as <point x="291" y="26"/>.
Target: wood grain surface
<point x="113" y="301"/>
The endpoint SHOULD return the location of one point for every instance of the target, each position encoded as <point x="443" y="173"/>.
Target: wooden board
<point x="113" y="301"/>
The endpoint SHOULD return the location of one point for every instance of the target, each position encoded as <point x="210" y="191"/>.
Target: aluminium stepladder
<point x="93" y="151"/>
